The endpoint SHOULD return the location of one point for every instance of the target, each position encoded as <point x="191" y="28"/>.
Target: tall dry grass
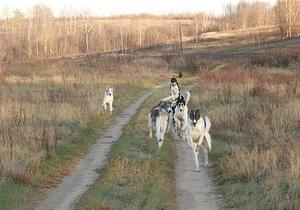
<point x="42" y="105"/>
<point x="262" y="108"/>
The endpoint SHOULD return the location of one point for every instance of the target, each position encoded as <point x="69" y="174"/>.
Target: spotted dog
<point x="158" y="119"/>
<point x="198" y="137"/>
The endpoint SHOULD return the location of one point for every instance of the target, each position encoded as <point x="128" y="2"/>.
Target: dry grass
<point x="42" y="105"/>
<point x="136" y="175"/>
<point x="262" y="108"/>
<point x="282" y="57"/>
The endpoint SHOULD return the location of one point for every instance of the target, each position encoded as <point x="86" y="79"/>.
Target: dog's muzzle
<point x="194" y="124"/>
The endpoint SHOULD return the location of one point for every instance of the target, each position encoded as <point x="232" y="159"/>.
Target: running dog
<point x="108" y="99"/>
<point x="174" y="88"/>
<point x="158" y="119"/>
<point x="180" y="115"/>
<point x="198" y="137"/>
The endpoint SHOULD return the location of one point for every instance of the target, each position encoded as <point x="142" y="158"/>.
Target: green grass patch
<point x="12" y="194"/>
<point x="137" y="175"/>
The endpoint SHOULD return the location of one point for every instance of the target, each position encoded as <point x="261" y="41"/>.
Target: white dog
<point x="158" y="118"/>
<point x="198" y="137"/>
<point x="108" y="99"/>
<point x="174" y="88"/>
<point x="180" y="115"/>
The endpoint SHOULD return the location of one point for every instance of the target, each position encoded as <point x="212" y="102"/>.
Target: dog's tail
<point x="208" y="140"/>
<point x="205" y="139"/>
<point x="149" y="120"/>
<point x="207" y="124"/>
<point x="206" y="134"/>
<point x="187" y="96"/>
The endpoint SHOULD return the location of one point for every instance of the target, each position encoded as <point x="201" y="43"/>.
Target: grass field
<point x="54" y="115"/>
<point x="137" y="175"/>
<point x="255" y="116"/>
<point x="50" y="115"/>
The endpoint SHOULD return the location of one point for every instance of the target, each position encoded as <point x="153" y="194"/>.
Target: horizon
<point x="102" y="8"/>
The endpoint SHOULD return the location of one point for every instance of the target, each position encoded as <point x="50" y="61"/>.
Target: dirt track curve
<point x="85" y="173"/>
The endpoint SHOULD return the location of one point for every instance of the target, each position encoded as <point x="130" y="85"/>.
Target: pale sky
<point x="113" y="7"/>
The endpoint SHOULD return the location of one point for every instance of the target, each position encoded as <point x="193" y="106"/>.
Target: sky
<point x="114" y="7"/>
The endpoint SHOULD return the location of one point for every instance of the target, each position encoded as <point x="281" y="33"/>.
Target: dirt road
<point x="85" y="173"/>
<point x="195" y="190"/>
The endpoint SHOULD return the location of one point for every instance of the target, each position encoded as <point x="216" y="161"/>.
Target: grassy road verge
<point x="136" y="175"/>
<point x="60" y="161"/>
<point x="255" y="129"/>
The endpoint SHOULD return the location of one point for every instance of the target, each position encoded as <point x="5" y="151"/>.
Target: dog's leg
<point x="184" y="126"/>
<point x="205" y="153"/>
<point x="195" y="156"/>
<point x="158" y="132"/>
<point x="188" y="139"/>
<point x="164" y="126"/>
<point x="173" y="132"/>
<point x="104" y="105"/>
<point x="150" y="125"/>
<point x="175" y="129"/>
<point x="110" y="108"/>
<point x="177" y="126"/>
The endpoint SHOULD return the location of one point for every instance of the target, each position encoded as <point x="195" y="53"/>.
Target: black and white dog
<point x="198" y="137"/>
<point x="108" y="99"/>
<point x="158" y="119"/>
<point x="180" y="115"/>
<point x="174" y="88"/>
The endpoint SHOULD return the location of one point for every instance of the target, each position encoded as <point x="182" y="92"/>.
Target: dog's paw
<point x="207" y="165"/>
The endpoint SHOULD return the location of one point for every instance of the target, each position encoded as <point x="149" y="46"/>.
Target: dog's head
<point x="174" y="82"/>
<point x="109" y="91"/>
<point x="194" y="117"/>
<point x="180" y="103"/>
<point x="166" y="106"/>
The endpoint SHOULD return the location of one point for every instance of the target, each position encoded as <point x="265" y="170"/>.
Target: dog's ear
<point x="191" y="114"/>
<point x="198" y="113"/>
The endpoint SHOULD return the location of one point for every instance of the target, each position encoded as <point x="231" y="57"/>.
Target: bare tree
<point x="287" y="16"/>
<point x="88" y="27"/>
<point x="202" y="23"/>
<point x="141" y="31"/>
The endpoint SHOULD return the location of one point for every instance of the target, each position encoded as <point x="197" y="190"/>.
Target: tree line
<point x="40" y="35"/>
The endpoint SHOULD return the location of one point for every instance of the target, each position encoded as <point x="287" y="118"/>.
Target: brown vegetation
<point x="42" y="105"/>
<point x="283" y="57"/>
<point x="40" y="35"/>
<point x="261" y="109"/>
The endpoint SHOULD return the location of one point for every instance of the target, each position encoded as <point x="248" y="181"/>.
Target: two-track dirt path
<point x="85" y="173"/>
<point x="195" y="190"/>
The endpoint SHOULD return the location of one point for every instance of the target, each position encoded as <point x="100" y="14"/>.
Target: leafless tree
<point x="287" y="16"/>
